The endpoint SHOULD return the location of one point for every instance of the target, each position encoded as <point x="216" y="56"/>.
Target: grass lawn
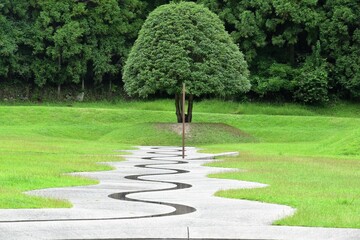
<point x="324" y="191"/>
<point x="309" y="156"/>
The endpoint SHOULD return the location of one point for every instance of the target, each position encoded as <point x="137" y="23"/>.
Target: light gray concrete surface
<point x="96" y="216"/>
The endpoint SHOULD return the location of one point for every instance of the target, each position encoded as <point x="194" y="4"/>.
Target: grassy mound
<point x="207" y="133"/>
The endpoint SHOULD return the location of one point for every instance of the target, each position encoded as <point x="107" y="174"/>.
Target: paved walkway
<point x="157" y="195"/>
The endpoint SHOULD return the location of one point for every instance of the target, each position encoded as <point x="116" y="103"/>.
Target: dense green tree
<point x="59" y="43"/>
<point x="277" y="28"/>
<point x="18" y="28"/>
<point x="275" y="36"/>
<point x="184" y="43"/>
<point x="78" y="39"/>
<point x="8" y="45"/>
<point x="113" y="26"/>
<point x="340" y="38"/>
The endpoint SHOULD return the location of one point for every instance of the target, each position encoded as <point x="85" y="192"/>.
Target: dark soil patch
<point x="207" y="133"/>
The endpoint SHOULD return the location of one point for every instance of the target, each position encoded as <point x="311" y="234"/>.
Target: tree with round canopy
<point x="185" y="43"/>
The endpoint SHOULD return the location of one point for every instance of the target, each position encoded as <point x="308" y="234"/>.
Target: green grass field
<point x="309" y="156"/>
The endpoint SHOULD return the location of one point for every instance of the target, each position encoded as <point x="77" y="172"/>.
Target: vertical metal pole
<point x="183" y="122"/>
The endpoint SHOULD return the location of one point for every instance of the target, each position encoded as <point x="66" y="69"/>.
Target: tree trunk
<point x="59" y="91"/>
<point x="178" y="105"/>
<point x="292" y="54"/>
<point x="82" y="84"/>
<point x="27" y="94"/>
<point x="110" y="89"/>
<point x="59" y="85"/>
<point x="190" y="108"/>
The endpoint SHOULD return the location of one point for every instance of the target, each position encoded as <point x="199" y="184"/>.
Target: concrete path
<point x="157" y="195"/>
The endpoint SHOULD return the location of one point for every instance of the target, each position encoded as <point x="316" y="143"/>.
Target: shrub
<point x="273" y="81"/>
<point x="311" y="84"/>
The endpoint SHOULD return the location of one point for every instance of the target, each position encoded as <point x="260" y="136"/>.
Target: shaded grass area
<point x="338" y="109"/>
<point x="307" y="145"/>
<point x="324" y="191"/>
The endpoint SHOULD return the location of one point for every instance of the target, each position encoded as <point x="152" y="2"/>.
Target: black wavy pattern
<point x="124" y="196"/>
<point x="179" y="209"/>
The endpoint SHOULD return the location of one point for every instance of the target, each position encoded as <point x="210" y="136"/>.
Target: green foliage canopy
<point x="268" y="25"/>
<point x="51" y="42"/>
<point x="185" y="43"/>
<point x="340" y="37"/>
<point x="57" y="42"/>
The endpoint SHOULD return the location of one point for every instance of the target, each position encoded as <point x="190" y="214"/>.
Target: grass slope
<point x="309" y="156"/>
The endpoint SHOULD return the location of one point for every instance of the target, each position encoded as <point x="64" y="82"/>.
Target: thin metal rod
<point x="183" y="122"/>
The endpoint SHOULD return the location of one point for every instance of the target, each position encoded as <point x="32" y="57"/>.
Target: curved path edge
<point x="156" y="194"/>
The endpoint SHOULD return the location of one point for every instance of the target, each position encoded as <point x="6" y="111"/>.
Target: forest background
<point x="303" y="51"/>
